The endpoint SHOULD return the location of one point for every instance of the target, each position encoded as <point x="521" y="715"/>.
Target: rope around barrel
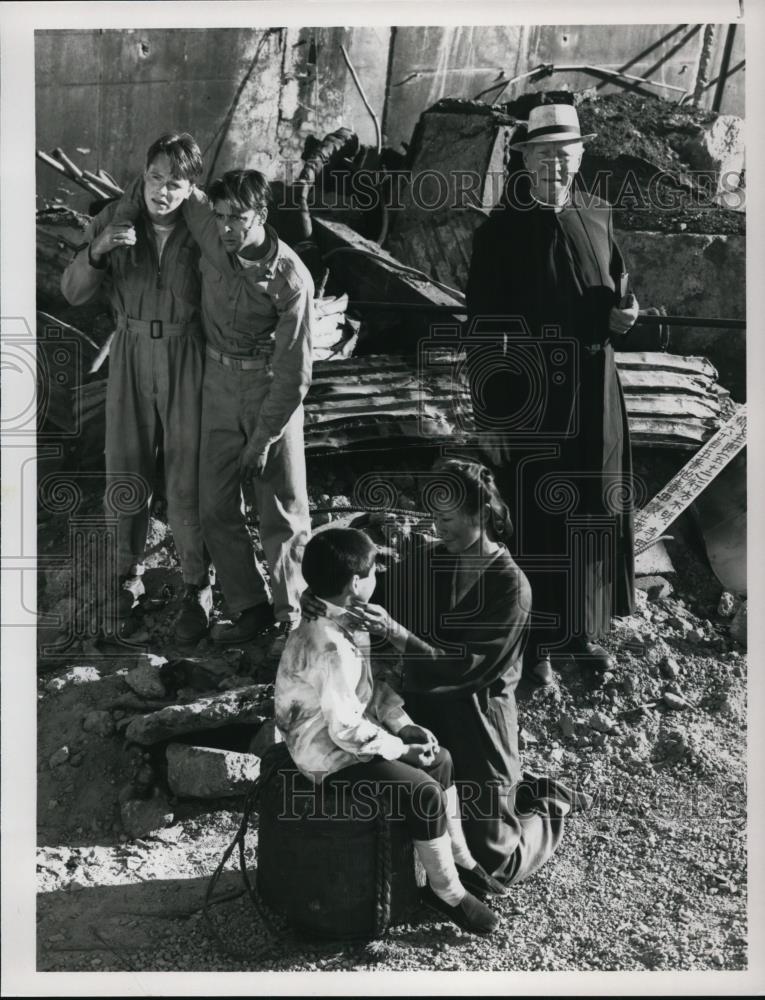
<point x="275" y="925"/>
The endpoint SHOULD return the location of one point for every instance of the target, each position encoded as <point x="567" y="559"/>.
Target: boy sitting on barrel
<point x="345" y="728"/>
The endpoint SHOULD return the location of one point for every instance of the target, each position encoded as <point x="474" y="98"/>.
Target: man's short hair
<point x="182" y="151"/>
<point x="334" y="556"/>
<point x="244" y="189"/>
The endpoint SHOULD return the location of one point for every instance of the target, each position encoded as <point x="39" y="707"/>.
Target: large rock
<point x="718" y="148"/>
<point x="75" y="675"/>
<point x="145" y="679"/>
<point x="250" y="705"/>
<point x="207" y="773"/>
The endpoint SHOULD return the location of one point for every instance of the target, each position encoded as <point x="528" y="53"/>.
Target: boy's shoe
<point x="470" y="913"/>
<point x="194" y="619"/>
<point x="478" y="881"/>
<point x="250" y="624"/>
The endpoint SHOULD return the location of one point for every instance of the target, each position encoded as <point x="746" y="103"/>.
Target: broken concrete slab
<point x="459" y="150"/>
<point x="655" y="561"/>
<point x="250" y="705"/>
<point x="209" y="773"/>
<point x="692" y="274"/>
<point x="718" y="147"/>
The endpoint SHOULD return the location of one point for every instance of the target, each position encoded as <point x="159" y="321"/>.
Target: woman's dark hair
<point x="334" y="556"/>
<point x="469" y="486"/>
<point x="244" y="189"/>
<point x="182" y="151"/>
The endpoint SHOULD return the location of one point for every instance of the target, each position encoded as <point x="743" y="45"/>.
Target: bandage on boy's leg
<point x="460" y="849"/>
<point x="438" y="861"/>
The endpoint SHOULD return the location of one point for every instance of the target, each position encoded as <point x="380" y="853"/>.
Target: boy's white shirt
<point x="329" y="708"/>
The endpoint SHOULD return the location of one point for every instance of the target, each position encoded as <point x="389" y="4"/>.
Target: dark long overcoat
<point x="545" y="386"/>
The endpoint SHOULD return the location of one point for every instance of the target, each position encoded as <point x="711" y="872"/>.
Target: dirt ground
<point x="653" y="877"/>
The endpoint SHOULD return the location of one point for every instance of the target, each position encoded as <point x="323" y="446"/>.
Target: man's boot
<point x="122" y="622"/>
<point x="251" y="623"/>
<point x="193" y="621"/>
<point x="592" y="654"/>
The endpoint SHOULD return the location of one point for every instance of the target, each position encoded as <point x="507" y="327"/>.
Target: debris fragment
<point x="145" y="678"/>
<point x="726" y="606"/>
<point x="245" y="705"/>
<point x="674" y="701"/>
<point x="61" y="756"/>
<point x="566" y="724"/>
<point x="141" y="817"/>
<point x="601" y="723"/>
<point x="209" y="773"/>
<point x="669" y="667"/>
<point x="75" y="675"/>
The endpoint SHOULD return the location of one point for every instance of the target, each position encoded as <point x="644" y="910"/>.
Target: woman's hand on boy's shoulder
<point x="311" y="606"/>
<point x="373" y="617"/>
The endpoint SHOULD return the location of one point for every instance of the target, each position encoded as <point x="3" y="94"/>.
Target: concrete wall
<point x="251" y="96"/>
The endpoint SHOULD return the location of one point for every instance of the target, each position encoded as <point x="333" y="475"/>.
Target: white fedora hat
<point x="553" y="123"/>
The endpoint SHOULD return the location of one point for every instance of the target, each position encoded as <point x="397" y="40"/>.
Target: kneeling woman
<point x="457" y="611"/>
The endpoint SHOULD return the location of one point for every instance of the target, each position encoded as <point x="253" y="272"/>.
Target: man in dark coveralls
<point x="546" y="296"/>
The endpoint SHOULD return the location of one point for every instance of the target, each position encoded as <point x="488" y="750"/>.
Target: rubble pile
<point x="145" y="752"/>
<point x="144" y="756"/>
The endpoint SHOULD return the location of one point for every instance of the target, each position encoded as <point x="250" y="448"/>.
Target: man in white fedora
<point x="547" y="283"/>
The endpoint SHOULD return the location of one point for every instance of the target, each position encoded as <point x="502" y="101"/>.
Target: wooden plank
<point x="659" y="361"/>
<point x="668" y="405"/>
<point x="641" y="381"/>
<point x="689" y="430"/>
<point x="380" y="404"/>
<point x="653" y="520"/>
<point x="425" y="411"/>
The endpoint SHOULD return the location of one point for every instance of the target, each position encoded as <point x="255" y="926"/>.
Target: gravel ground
<point x="652" y="878"/>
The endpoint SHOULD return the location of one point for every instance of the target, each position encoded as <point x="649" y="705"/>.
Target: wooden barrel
<point x="327" y="874"/>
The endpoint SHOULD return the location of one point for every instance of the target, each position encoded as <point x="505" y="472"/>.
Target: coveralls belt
<point x="157" y="328"/>
<point x="239" y="364"/>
